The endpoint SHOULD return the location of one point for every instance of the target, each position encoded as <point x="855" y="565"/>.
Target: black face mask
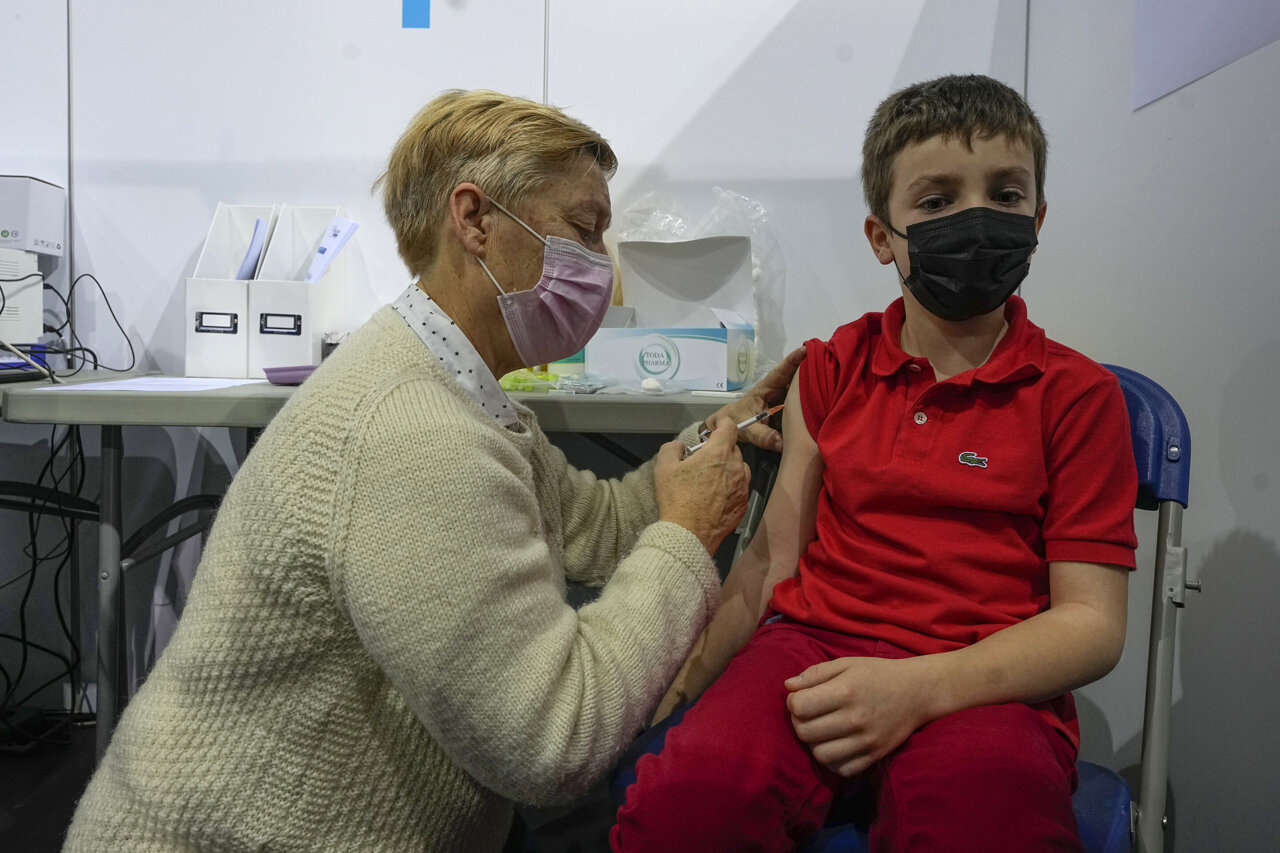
<point x="968" y="263"/>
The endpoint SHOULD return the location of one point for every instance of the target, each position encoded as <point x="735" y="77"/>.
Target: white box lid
<point x="668" y="282"/>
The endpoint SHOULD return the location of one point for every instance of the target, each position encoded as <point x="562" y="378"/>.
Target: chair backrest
<point x="1162" y="451"/>
<point x="1161" y="439"/>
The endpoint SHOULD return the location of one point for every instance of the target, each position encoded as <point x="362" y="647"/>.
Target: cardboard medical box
<point x="694" y="315"/>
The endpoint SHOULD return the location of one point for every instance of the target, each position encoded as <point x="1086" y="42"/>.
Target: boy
<point x="944" y="555"/>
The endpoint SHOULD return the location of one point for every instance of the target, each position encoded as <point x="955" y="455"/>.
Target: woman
<point x="377" y="653"/>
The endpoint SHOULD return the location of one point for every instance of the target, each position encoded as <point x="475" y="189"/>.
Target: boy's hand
<point x="852" y="712"/>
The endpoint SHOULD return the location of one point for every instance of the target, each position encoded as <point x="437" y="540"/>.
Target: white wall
<point x="306" y="110"/>
<point x="770" y="100"/>
<point x="178" y="106"/>
<point x="33" y="100"/>
<point x="1160" y="252"/>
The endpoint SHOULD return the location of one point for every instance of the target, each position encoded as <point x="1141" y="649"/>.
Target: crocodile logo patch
<point x="971" y="458"/>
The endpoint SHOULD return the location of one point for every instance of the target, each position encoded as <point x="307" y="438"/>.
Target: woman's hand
<point x="704" y="492"/>
<point x="768" y="392"/>
<point x="852" y="712"/>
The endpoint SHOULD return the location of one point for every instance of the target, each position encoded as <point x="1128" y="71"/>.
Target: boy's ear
<point x="880" y="238"/>
<point x="469" y="219"/>
<point x="1044" y="205"/>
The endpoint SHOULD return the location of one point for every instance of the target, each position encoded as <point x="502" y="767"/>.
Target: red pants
<point x="733" y="776"/>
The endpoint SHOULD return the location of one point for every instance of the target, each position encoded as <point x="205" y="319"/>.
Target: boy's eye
<point x="1010" y="196"/>
<point x="933" y="203"/>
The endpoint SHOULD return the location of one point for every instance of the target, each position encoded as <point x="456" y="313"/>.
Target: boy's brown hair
<point x="954" y="107"/>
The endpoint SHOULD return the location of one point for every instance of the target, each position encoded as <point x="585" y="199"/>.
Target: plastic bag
<point x="659" y="217"/>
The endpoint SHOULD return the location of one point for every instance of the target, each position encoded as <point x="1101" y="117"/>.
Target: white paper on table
<point x="155" y="383"/>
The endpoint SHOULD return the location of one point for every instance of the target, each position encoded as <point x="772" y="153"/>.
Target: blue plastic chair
<point x="1109" y="819"/>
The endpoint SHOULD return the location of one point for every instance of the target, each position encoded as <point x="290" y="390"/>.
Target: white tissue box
<point x="694" y="315"/>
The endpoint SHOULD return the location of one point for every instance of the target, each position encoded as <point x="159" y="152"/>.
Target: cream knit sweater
<point x="376" y="654"/>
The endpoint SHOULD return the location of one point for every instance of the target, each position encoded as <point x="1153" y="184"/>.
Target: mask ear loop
<point x="540" y="239"/>
<point x="898" y="233"/>
<point x="484" y="267"/>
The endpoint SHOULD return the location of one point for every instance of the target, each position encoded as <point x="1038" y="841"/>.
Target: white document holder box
<point x="217" y="304"/>
<point x="288" y="316"/>
<point x="235" y="328"/>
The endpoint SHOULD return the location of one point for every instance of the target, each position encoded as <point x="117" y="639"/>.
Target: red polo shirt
<point x="943" y="502"/>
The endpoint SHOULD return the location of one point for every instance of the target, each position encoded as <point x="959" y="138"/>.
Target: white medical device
<point x="32" y="223"/>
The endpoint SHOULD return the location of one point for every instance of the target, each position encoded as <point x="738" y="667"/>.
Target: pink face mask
<point x="562" y="311"/>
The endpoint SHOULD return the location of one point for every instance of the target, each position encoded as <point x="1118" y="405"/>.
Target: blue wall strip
<point x="415" y="14"/>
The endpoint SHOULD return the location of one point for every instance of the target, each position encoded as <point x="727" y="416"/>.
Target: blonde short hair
<point x="505" y="145"/>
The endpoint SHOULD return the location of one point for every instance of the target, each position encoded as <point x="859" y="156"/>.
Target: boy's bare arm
<point x="854" y="711"/>
<point x="786" y="529"/>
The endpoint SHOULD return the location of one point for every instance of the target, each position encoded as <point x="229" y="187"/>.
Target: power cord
<point x="69" y="480"/>
<point x="67" y="325"/>
<point x="75" y="339"/>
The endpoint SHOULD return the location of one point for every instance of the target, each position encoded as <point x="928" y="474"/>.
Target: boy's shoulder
<point x="858" y="334"/>
<point x="1062" y="360"/>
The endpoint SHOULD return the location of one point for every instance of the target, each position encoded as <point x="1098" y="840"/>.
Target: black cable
<point x="133" y="358"/>
<point x="69" y="350"/>
<point x="33" y="551"/>
<point x="56" y="482"/>
<point x="69" y="662"/>
<point x="70" y="327"/>
<point x="22" y="627"/>
<point x="66" y="312"/>
<point x="70" y="477"/>
<point x="66" y="661"/>
<point x="11" y="581"/>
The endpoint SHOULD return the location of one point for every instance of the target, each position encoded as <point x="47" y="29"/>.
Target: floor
<point x="40" y="785"/>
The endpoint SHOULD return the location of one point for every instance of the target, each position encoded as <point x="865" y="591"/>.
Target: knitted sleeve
<point x="602" y="518"/>
<point x="440" y="562"/>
